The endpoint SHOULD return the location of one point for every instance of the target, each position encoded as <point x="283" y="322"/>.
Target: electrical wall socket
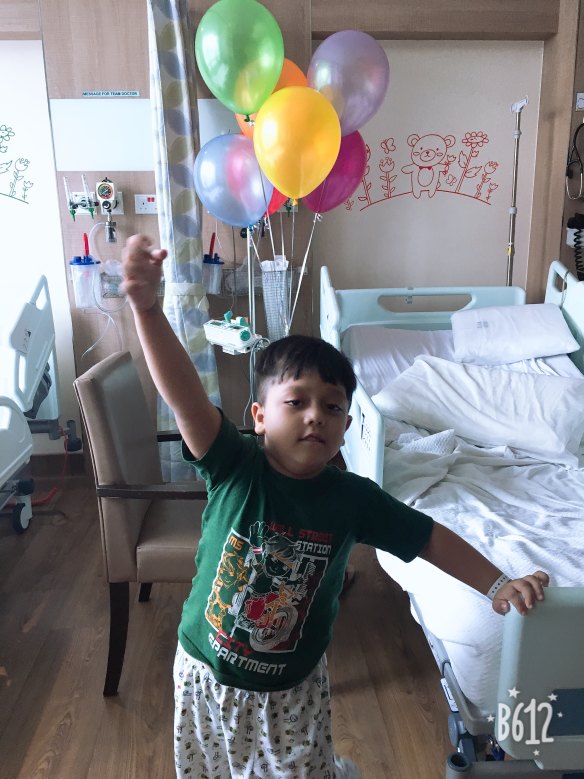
<point x="146" y="204"/>
<point x="119" y="209"/>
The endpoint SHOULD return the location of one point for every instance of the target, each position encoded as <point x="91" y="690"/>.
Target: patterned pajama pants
<point x="227" y="733"/>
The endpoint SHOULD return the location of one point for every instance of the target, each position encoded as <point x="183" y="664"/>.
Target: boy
<point x="251" y="685"/>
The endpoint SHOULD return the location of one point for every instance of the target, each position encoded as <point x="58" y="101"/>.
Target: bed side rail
<point x="415" y="307"/>
<point x="15" y="439"/>
<point x="364" y="440"/>
<point x="564" y="289"/>
<point x="330" y="316"/>
<point x="33" y="341"/>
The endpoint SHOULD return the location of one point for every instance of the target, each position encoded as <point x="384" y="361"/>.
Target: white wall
<point x="30" y="234"/>
<point x="449" y="88"/>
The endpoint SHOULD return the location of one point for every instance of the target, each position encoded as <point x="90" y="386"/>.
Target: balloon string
<point x="267" y="214"/>
<point x="314" y="221"/>
<point x="291" y="258"/>
<point x="234" y="292"/>
<point x="322" y="194"/>
<point x="282" y="234"/>
<point x="254" y="246"/>
<point x="250" y="282"/>
<point x="293" y="232"/>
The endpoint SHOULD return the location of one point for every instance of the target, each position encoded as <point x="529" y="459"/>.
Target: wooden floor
<point x="388" y="709"/>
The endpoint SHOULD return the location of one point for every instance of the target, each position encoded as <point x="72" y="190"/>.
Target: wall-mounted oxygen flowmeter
<point x="106" y="194"/>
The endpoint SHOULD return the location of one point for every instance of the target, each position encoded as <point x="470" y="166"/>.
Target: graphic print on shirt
<point x="265" y="585"/>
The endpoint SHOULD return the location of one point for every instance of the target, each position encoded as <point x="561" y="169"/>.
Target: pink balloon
<point x="344" y="177"/>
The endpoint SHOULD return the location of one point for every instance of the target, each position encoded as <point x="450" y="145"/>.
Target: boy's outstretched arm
<point x="170" y="366"/>
<point x="453" y="555"/>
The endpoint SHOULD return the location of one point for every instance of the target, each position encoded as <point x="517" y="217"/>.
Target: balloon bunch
<point x="300" y="134"/>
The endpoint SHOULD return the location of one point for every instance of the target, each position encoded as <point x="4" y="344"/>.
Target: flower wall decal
<point x="17" y="186"/>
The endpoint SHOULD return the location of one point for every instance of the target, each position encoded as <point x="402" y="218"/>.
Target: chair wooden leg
<point x="119" y="613"/>
<point x="145" y="590"/>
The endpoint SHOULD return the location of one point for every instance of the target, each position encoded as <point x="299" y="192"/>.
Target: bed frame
<point x="430" y="308"/>
<point x="31" y="360"/>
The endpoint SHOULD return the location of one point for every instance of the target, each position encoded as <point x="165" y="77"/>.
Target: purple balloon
<point x="229" y="181"/>
<point x="344" y="177"/>
<point x="351" y="70"/>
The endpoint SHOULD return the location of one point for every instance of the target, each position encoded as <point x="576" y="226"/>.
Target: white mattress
<point x="521" y="513"/>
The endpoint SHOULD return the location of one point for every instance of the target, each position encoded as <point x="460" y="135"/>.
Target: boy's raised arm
<point x="170" y="366"/>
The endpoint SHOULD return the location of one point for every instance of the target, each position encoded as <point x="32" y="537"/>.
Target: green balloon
<point x="240" y="52"/>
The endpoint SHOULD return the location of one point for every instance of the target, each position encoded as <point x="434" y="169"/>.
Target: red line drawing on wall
<point x="386" y="165"/>
<point x="474" y="140"/>
<point x="489" y="168"/>
<point x="428" y="153"/>
<point x="431" y="169"/>
<point x="366" y="184"/>
<point x="387" y="146"/>
<point x="492" y="188"/>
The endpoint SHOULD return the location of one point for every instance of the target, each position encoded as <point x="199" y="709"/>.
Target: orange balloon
<point x="246" y="127"/>
<point x="291" y="76"/>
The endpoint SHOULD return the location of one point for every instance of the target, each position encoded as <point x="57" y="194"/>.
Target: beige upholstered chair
<point x="149" y="530"/>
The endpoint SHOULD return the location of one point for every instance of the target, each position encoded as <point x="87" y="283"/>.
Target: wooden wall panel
<point x="555" y="115"/>
<point x="92" y="46"/>
<point x="19" y="19"/>
<point x="572" y="207"/>
<point x="448" y="19"/>
<point x="554" y="21"/>
<point x="89" y="325"/>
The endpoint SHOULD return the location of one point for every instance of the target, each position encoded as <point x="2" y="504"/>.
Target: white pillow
<point x="379" y="354"/>
<point x="541" y="416"/>
<point x="503" y="334"/>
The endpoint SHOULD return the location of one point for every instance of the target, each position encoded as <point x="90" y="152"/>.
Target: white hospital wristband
<point x="496" y="586"/>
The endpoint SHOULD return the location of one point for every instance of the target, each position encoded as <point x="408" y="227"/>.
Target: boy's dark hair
<point x="297" y="354"/>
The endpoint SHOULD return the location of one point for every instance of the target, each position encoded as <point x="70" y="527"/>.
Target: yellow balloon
<point x="297" y="137"/>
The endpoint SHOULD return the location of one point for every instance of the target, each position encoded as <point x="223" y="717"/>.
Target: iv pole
<point x="516" y="108"/>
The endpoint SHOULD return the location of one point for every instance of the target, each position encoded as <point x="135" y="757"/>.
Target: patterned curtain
<point x="176" y="142"/>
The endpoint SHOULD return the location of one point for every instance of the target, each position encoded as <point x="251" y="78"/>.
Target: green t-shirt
<point x="271" y="561"/>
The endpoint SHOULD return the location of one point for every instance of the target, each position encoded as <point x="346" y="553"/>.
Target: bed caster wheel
<point x="20" y="518"/>
<point x="25" y="486"/>
<point x="458" y="766"/>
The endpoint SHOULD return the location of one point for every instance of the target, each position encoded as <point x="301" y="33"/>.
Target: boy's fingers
<point x="538" y="581"/>
<point x="158" y="256"/>
<point x="543" y="578"/>
<point x="517" y="599"/>
<point x="501" y="606"/>
<point x="138" y="241"/>
<point x="521" y="593"/>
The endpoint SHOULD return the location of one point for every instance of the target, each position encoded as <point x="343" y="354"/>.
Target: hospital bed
<point x="520" y="510"/>
<point x="29" y="399"/>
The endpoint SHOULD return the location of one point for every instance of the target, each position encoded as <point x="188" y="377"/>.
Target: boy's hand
<point x="141" y="269"/>
<point x="522" y="593"/>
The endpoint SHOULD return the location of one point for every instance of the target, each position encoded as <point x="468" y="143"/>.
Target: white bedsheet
<point x="521" y="513"/>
